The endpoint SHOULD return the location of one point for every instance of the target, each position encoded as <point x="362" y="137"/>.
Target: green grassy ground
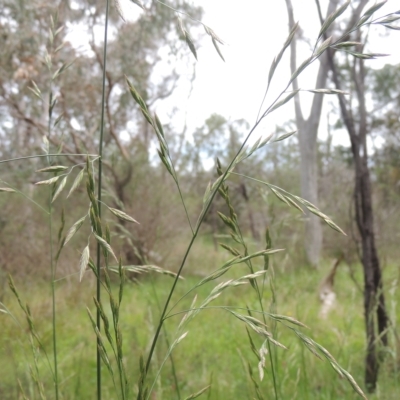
<point x="216" y="348"/>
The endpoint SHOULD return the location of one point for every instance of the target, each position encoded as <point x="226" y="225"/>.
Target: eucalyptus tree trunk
<point x="308" y="131"/>
<point x="376" y="318"/>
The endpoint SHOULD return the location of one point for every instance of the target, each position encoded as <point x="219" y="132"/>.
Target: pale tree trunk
<point x="308" y="131"/>
<point x="376" y="318"/>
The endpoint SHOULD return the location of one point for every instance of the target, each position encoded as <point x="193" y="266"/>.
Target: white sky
<point x="254" y="32"/>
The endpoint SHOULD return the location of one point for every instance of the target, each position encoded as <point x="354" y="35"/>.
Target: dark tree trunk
<point x="376" y="319"/>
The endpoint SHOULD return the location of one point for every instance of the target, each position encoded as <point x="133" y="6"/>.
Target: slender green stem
<point x="100" y="172"/>
<point x="180" y="12"/>
<point x="47" y="155"/>
<point x="171" y="292"/>
<point x="53" y="294"/>
<point x="260" y="297"/>
<point x="52" y="265"/>
<point x="196" y="231"/>
<point x="183" y="201"/>
<point x="167" y="342"/>
<point x="27" y="197"/>
<point x="200" y="221"/>
<point x="255" y="311"/>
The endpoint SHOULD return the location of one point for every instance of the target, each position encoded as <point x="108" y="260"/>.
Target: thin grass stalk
<point x="26" y="197"/>
<point x="259" y="298"/>
<point x="192" y="240"/>
<point x="167" y="342"/>
<point x="52" y="268"/>
<point x="273" y="366"/>
<point x="32" y="330"/>
<point x="237" y="232"/>
<point x="100" y="172"/>
<point x="46" y="155"/>
<point x="275" y="104"/>
<point x="51" y="103"/>
<point x="117" y="349"/>
<point x="196" y="231"/>
<point x="183" y="201"/>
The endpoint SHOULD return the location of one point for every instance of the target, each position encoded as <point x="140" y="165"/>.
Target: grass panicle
<point x="247" y="267"/>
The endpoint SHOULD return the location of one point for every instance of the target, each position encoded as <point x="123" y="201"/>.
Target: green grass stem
<point x="100" y="176"/>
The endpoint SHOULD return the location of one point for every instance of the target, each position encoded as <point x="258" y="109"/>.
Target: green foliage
<point x="202" y="352"/>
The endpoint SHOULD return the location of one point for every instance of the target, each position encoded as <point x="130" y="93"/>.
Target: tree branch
<point x="293" y="62"/>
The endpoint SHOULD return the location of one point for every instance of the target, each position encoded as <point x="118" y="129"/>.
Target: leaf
<point x="260" y="253"/>
<point x="217" y="48"/>
<point x="397" y="28"/>
<point x="366" y="56"/>
<point x="284" y="136"/>
<point x="119" y="10"/>
<point x="48" y="181"/>
<point x="257" y="145"/>
<point x="147" y="115"/>
<point x="279" y="196"/>
<point x="228" y="221"/>
<point x="53" y="168"/>
<point x="324" y="45"/>
<point x="84" y="262"/>
<point x="207" y="192"/>
<point x="46" y="144"/>
<point x="58" y="30"/>
<point x="133" y="91"/>
<point x="180" y="338"/>
<point x="36" y="91"/>
<point x="159" y="125"/>
<point x="76" y="183"/>
<point x="317" y="213"/>
<point x="140" y="102"/>
<point x="60" y="188"/>
<point x="213" y="34"/>
<point x="198" y="394"/>
<point x="332" y="17"/>
<point x="63" y="68"/>
<point x="138" y="269"/>
<point x="6" y="189"/>
<point x="139" y="3"/>
<point x="59" y="47"/>
<point x="278" y="58"/>
<point x="302" y="66"/>
<point x="346" y="44"/>
<point x="371" y="10"/>
<point x="180" y="23"/>
<point x="353" y="383"/>
<point x="389" y="19"/>
<point x="74" y="228"/>
<point x="285" y="100"/>
<point x="327" y="91"/>
<point x="189" y="42"/>
<point x="105" y="245"/>
<point x="230" y="249"/>
<point x="292" y="320"/>
<point x="334" y="226"/>
<point x="294" y="204"/>
<point x="58" y="119"/>
<point x="122" y="215"/>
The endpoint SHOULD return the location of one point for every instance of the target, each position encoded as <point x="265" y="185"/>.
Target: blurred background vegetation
<point x="149" y="52"/>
